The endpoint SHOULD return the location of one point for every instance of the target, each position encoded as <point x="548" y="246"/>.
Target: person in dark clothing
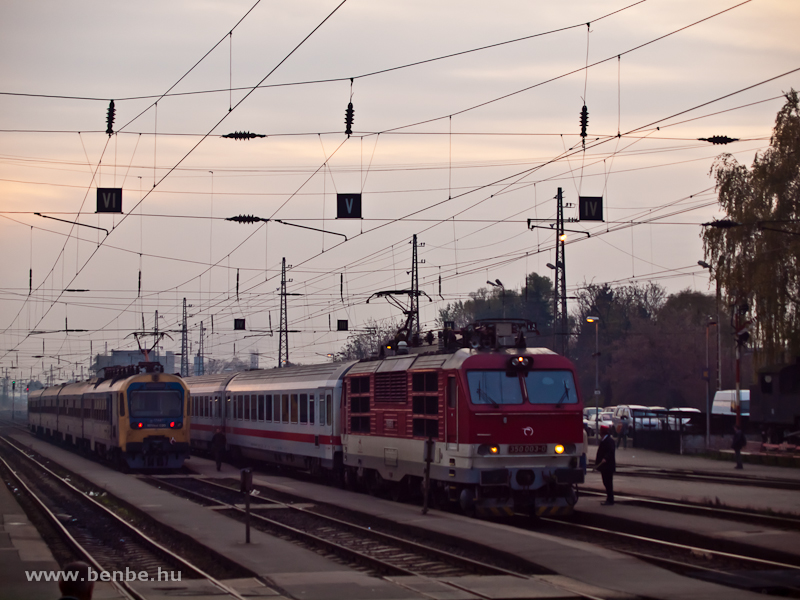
<point x="739" y="442"/>
<point x="218" y="443"/>
<point x="623" y="433"/>
<point x="78" y="587"/>
<point x="605" y="462"/>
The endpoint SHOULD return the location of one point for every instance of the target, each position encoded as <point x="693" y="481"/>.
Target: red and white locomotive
<point x="501" y="425"/>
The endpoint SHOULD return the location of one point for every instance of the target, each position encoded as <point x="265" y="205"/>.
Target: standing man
<point x="606" y="463"/>
<point x="623" y="433"/>
<point x="218" y="443"/>
<point x="739" y="442"/>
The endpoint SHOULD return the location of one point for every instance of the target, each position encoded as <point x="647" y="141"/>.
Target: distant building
<point x="134" y="357"/>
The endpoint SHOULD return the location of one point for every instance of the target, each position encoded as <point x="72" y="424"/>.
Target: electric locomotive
<point x="136" y="416"/>
<point x="498" y="425"/>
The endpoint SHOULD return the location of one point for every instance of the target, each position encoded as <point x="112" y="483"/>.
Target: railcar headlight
<point x="559" y="449"/>
<point x="487" y="449"/>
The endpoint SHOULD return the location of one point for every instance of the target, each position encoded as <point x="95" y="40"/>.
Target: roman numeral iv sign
<point x="109" y="200"/>
<point x="348" y="206"/>
<point x="590" y="208"/>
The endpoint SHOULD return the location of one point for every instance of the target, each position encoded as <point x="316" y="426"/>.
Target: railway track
<point x="739" y="479"/>
<point x="706" y="510"/>
<point x="735" y="568"/>
<point x="90" y="531"/>
<point x="381" y="552"/>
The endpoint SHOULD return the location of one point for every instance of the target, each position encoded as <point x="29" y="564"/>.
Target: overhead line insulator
<point x="246" y="219"/>
<point x="719" y="140"/>
<point x="243" y="135"/>
<point x="584" y="120"/>
<point x="110" y="118"/>
<point x="348" y="119"/>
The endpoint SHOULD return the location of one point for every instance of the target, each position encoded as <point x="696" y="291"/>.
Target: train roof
<point x="435" y="360"/>
<point x="305" y="376"/>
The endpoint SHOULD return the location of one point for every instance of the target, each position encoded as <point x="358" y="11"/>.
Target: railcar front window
<point x="161" y="403"/>
<point x="493" y="388"/>
<point x="551" y="387"/>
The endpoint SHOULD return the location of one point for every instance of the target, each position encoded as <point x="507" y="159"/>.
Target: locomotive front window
<point x="155" y="403"/>
<point x="493" y="388"/>
<point x="551" y="387"/>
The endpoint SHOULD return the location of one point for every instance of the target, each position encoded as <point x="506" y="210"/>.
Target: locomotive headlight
<point x="559" y="449"/>
<point x="487" y="449"/>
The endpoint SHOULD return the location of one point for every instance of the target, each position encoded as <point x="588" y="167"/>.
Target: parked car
<point x="638" y="417"/>
<point x="606" y="423"/>
<point x="681" y="418"/>
<point x="589" y="415"/>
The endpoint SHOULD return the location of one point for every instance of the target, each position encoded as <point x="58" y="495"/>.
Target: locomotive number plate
<point x="527" y="449"/>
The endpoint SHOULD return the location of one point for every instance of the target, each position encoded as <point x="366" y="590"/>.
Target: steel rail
<point x="654" y="541"/>
<point x="373" y="533"/>
<point x="708" y="477"/>
<point x="416" y="547"/>
<point x="121" y="586"/>
<point x="140" y="534"/>
<point x="787" y="521"/>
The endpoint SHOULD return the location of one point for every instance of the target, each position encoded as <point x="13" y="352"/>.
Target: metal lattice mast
<point x="283" y="337"/>
<point x="201" y="368"/>
<point x="414" y="329"/>
<point x="184" y="344"/>
<point x="560" y="317"/>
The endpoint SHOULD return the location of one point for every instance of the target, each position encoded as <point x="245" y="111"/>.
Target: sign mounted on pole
<point x="109" y="200"/>
<point x="590" y="208"/>
<point x="341" y="325"/>
<point x="348" y="206"/>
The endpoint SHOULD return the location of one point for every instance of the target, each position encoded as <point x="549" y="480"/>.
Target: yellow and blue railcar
<point x="136" y="416"/>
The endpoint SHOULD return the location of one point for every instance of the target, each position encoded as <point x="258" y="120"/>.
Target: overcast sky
<point x="460" y="151"/>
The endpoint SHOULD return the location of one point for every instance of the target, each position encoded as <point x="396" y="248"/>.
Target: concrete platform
<point x="22" y="551"/>
<point x="579" y="568"/>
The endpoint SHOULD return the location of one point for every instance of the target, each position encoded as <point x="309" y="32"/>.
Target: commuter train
<point x="499" y="425"/>
<point x="135" y="416"/>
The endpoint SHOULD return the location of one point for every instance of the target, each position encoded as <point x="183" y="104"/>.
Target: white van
<point x="725" y="403"/>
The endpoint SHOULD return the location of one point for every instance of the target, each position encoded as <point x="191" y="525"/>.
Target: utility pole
<point x="283" y="336"/>
<point x="184" y="344"/>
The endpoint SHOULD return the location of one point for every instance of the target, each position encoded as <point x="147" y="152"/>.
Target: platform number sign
<point x="348" y="206"/>
<point x="590" y="208"/>
<point x="109" y="200"/>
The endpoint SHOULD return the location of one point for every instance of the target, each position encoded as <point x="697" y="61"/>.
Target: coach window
<point x="247" y="407"/>
<point x="294" y="408"/>
<point x="268" y="407"/>
<point x="304" y="408"/>
<point x="121" y="405"/>
<point x="311" y="411"/>
<point x="321" y="409"/>
<point x="261" y="407"/>
<point x="285" y="408"/>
